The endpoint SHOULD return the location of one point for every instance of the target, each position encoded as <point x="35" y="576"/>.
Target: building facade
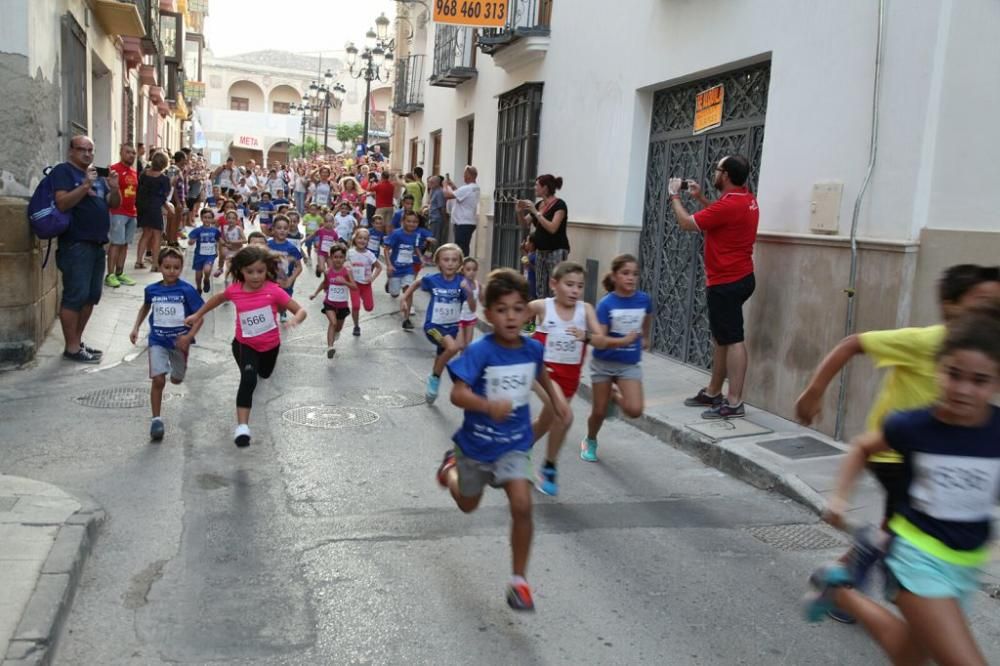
<point x="607" y="100"/>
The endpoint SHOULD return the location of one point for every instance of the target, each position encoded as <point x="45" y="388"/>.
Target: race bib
<point x="625" y="321"/>
<point x="207" y="249"/>
<point x="257" y="322"/>
<point x="510" y="382"/>
<point x="168" y="315"/>
<point x="561" y="347"/>
<point x="404" y="255"/>
<point x="446" y="313"/>
<point x="337" y="293"/>
<point x="360" y="273"/>
<point x="326" y="244"/>
<point x="373" y="245"/>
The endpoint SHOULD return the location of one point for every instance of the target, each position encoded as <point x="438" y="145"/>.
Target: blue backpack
<point x="46" y="220"/>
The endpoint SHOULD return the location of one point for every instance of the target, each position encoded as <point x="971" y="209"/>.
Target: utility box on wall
<point x="824" y="208"/>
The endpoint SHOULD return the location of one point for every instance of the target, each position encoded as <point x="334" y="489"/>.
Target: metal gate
<point x="518" y="117"/>
<point x="672" y="265"/>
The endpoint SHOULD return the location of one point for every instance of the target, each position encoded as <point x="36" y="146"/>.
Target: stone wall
<point x="31" y="302"/>
<point x="29" y="124"/>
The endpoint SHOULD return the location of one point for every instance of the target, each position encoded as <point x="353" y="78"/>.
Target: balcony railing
<point x="408" y="96"/>
<point x="454" y="55"/>
<point x="150" y="11"/>
<point x="526" y="18"/>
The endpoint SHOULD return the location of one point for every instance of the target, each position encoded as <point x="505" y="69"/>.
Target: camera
<point x="103" y="172"/>
<point x="684" y="184"/>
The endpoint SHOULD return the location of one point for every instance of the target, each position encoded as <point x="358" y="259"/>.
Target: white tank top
<point x="560" y="346"/>
<point x="467" y="313"/>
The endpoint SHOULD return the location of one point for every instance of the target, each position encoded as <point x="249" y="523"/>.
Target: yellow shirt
<point x="911" y="383"/>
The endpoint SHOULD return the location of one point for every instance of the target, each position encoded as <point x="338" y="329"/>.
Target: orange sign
<point x="474" y="13"/>
<point x="708" y="108"/>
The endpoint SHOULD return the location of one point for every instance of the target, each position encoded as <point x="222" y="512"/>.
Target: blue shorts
<point x="82" y="266"/>
<point x="311" y="241"/>
<point x="924" y="575"/>
<point x="122" y="229"/>
<point x="436" y="334"/>
<point x="200" y="262"/>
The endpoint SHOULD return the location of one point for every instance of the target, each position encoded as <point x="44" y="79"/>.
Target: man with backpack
<point x="80" y="258"/>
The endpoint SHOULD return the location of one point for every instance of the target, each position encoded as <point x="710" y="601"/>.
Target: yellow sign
<point x="474" y="13"/>
<point x="708" y="108"/>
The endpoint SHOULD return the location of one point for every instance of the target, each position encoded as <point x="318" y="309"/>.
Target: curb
<point x="34" y="640"/>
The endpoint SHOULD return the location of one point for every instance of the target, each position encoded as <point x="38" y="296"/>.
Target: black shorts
<point x="725" y="309"/>
<point x="190" y="202"/>
<point x="341" y="313"/>
<point x="892" y="478"/>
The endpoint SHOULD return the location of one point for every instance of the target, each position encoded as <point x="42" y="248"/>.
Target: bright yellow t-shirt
<point x="911" y="382"/>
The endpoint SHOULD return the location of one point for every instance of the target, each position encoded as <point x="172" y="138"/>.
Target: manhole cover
<point x="800" y="447"/>
<point x="796" y="537"/>
<point x="387" y="399"/>
<point x="120" y="397"/>
<point x="324" y="416"/>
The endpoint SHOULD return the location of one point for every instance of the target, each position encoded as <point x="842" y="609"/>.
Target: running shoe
<point x="125" y="280"/>
<point x="433" y="383"/>
<point x="317" y="270"/>
<point x="446" y="464"/>
<point x="283" y="318"/>
<point x="407" y="324"/>
<point x="112" y="281"/>
<point x="330" y="352"/>
<point x="825" y="580"/>
<point x="724" y="411"/>
<point x="703" y="399"/>
<point x="156" y="430"/>
<point x="357" y="331"/>
<point x="519" y="597"/>
<point x="867" y="551"/>
<point x="588" y="450"/>
<point x="90" y="350"/>
<point x="82" y="356"/>
<point x="208" y="286"/>
<point x="242" y="436"/>
<point x="547" y="484"/>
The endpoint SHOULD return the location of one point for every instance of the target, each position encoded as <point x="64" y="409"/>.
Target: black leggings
<point x="252" y="364"/>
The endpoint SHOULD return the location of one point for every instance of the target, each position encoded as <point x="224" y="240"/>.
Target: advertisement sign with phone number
<point x="474" y="13"/>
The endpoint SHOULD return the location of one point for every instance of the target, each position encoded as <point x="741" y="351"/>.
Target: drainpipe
<point x="851" y="289"/>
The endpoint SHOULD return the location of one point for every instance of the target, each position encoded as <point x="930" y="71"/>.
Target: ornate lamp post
<point x="375" y="62"/>
<point x="325" y="96"/>
<point x="305" y="114"/>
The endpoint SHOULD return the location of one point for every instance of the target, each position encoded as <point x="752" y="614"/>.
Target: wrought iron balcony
<point x="525" y="18"/>
<point x="409" y="93"/>
<point x="454" y="55"/>
<point x="150" y="11"/>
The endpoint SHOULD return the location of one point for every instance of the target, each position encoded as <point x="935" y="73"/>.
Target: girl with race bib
<point x="325" y="238"/>
<point x="336" y="287"/>
<point x="233" y="241"/>
<point x="468" y="319"/>
<point x="625" y="310"/>
<point x="258" y="300"/>
<point x="448" y="290"/>
<point x="365" y="267"/>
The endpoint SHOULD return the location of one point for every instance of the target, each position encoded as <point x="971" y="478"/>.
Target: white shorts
<point x="396" y="284"/>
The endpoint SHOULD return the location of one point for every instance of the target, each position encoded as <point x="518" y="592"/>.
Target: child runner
<point x="325" y="238"/>
<point x="565" y="322"/>
<point x="257" y="298"/>
<point x="492" y="384"/>
<point x="376" y="235"/>
<point x="312" y="221"/>
<point x="207" y="240"/>
<point x="265" y="211"/>
<point x="289" y="256"/>
<point x="167" y="303"/>
<point x="257" y="239"/>
<point x="400" y="247"/>
<point x="448" y="290"/>
<point x="345" y="221"/>
<point x="233" y="241"/>
<point x="468" y="319"/>
<point x="336" y="285"/>
<point x="941" y="525"/>
<point x="362" y="262"/>
<point x="623" y="311"/>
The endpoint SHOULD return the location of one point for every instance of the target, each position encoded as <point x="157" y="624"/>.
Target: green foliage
<point x="348" y="132"/>
<point x="310" y="147"/>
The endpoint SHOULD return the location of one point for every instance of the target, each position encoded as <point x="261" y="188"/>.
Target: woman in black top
<point x="150" y="198"/>
<point x="549" y="218"/>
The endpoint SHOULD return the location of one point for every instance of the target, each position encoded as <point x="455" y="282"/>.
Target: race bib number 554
<point x="510" y="382"/>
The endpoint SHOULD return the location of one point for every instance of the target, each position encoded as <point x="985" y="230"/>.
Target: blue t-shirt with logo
<point x="404" y="249"/>
<point x="445" y="307"/>
<point x="264" y="210"/>
<point x="168" y="306"/>
<point x="206" y="243"/>
<point x="497" y="373"/>
<point x="622" y="315"/>
<point x="375" y="239"/>
<point x="91" y="220"/>
<point x="289" y="253"/>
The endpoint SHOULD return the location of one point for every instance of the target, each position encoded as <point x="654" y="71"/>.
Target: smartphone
<point x="684" y="184"/>
<point x="103" y="172"/>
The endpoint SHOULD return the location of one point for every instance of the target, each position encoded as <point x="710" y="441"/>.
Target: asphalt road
<point x="336" y="546"/>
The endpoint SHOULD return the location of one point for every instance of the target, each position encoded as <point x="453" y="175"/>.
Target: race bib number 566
<point x="257" y="322"/>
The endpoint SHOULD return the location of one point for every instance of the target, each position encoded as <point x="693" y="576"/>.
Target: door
<point x="671" y="260"/>
<point x="414" y="146"/>
<point x="436" y="153"/>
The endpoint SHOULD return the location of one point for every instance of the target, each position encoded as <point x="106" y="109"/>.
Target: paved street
<point x="330" y="546"/>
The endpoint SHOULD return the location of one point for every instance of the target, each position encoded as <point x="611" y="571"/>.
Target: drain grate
<point x="325" y="416"/>
<point x="796" y="537"/>
<point x="387" y="399"/>
<point x="120" y="397"/>
<point x="798" y="448"/>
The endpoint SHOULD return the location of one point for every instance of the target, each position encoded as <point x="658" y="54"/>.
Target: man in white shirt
<point x="463" y="215"/>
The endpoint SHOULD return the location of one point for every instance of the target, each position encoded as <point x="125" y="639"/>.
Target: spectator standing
<point x="179" y="195"/>
<point x="300" y="187"/>
<point x="729" y="226"/>
<point x="385" y="190"/>
<point x="140" y="152"/>
<point x="227" y="177"/>
<point x="80" y="257"/>
<point x="122" y="229"/>
<point x="463" y="215"/>
<point x="548" y="218"/>
<point x="152" y="196"/>
<point x="436" y="210"/>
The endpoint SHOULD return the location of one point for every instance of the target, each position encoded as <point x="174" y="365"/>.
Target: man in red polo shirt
<point x="122" y="218"/>
<point x="729" y="226"/>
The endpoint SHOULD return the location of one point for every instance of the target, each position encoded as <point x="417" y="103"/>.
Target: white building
<point x="604" y="96"/>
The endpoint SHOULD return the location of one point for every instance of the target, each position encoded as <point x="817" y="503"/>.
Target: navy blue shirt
<point x="169" y="305"/>
<point x="91" y="219"/>
<point x="952" y="473"/>
<point x="622" y="315"/>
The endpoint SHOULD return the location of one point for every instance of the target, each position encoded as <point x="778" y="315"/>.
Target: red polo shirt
<point x="730" y="229"/>
<point x="384" y="189"/>
<point x="128" y="185"/>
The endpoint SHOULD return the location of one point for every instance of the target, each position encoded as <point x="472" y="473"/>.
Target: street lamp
<point x="376" y="62"/>
<point x="322" y="97"/>
<point x="305" y="114"/>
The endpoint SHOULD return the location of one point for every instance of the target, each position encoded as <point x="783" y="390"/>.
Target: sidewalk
<point x="45" y="536"/>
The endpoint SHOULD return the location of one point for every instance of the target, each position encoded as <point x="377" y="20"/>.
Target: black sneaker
<point x="724" y="411"/>
<point x="82" y="356"/>
<point x="207" y="288"/>
<point x="703" y="399"/>
<point x="357" y="331"/>
<point x="96" y="352"/>
<point x="407" y="325"/>
<point x="156" y="430"/>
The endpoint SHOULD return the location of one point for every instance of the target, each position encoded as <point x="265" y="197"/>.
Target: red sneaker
<point x="519" y="597"/>
<point x="446" y="464"/>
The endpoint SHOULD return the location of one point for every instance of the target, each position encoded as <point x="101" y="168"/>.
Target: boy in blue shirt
<point x="171" y="301"/>
<point x="207" y="240"/>
<point x="290" y="256"/>
<point x="401" y="248"/>
<point x="265" y="211"/>
<point x="492" y="382"/>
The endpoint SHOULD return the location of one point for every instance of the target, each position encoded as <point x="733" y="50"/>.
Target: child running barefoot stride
<point x="941" y="526"/>
<point x="448" y="290"/>
<point x="167" y="303"/>
<point x="258" y="299"/>
<point x="336" y="285"/>
<point x="207" y="241"/>
<point x="623" y="311"/>
<point x="492" y="383"/>
<point x="365" y="267"/>
<point x="468" y="319"/>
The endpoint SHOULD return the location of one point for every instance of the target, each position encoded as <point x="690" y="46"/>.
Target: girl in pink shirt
<point x="364" y="269"/>
<point x="258" y="300"/>
<point x="325" y="236"/>
<point x="337" y="287"/>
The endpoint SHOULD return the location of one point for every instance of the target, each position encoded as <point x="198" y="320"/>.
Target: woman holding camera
<point x="548" y="217"/>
